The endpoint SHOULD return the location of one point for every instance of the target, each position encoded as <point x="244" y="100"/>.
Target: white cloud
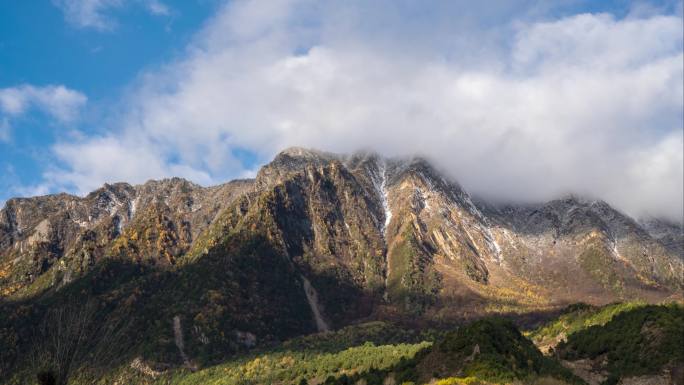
<point x="595" y="41"/>
<point x="524" y="108"/>
<point x="93" y="13"/>
<point x="109" y="159"/>
<point x="60" y="102"/>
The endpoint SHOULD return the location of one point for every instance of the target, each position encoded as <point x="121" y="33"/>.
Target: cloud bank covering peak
<point x="512" y="99"/>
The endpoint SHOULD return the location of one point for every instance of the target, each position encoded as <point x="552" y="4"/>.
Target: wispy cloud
<point x="512" y="101"/>
<point x="62" y="103"/>
<point x="12" y="183"/>
<point x="156" y="7"/>
<point x="95" y="13"/>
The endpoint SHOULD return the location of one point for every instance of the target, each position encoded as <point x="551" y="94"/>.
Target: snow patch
<point x="380" y="183"/>
<point x="614" y="249"/>
<point x="426" y="202"/>
<point x="491" y="243"/>
<point x="131" y="208"/>
<point x="510" y="239"/>
<point x="612" y="244"/>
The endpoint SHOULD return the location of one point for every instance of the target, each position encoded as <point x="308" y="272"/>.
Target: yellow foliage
<point x="461" y="381"/>
<point x="4" y="271"/>
<point x="287" y="361"/>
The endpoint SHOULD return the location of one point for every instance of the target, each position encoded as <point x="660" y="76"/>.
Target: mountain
<point x="668" y="233"/>
<point x="315" y="242"/>
<point x="46" y="242"/>
<point x="588" y="247"/>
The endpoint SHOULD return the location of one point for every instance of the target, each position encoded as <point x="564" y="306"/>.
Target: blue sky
<point x="518" y="100"/>
<point x="38" y="46"/>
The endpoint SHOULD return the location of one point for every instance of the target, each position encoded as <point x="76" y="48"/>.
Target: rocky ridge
<point x="394" y="227"/>
<point x="339" y="238"/>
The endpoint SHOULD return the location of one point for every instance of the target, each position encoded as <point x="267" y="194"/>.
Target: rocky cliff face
<point x="585" y="250"/>
<point x="319" y="240"/>
<point x="45" y="242"/>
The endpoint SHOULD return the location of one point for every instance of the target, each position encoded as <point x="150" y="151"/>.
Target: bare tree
<point x="78" y="339"/>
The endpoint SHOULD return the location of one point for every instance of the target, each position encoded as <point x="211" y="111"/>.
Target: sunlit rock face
<point x="369" y="236"/>
<point x="46" y="240"/>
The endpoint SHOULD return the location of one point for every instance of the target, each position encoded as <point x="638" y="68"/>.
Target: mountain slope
<point x="315" y="242"/>
<point x="357" y="225"/>
<point x="47" y="241"/>
<point x="603" y="252"/>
